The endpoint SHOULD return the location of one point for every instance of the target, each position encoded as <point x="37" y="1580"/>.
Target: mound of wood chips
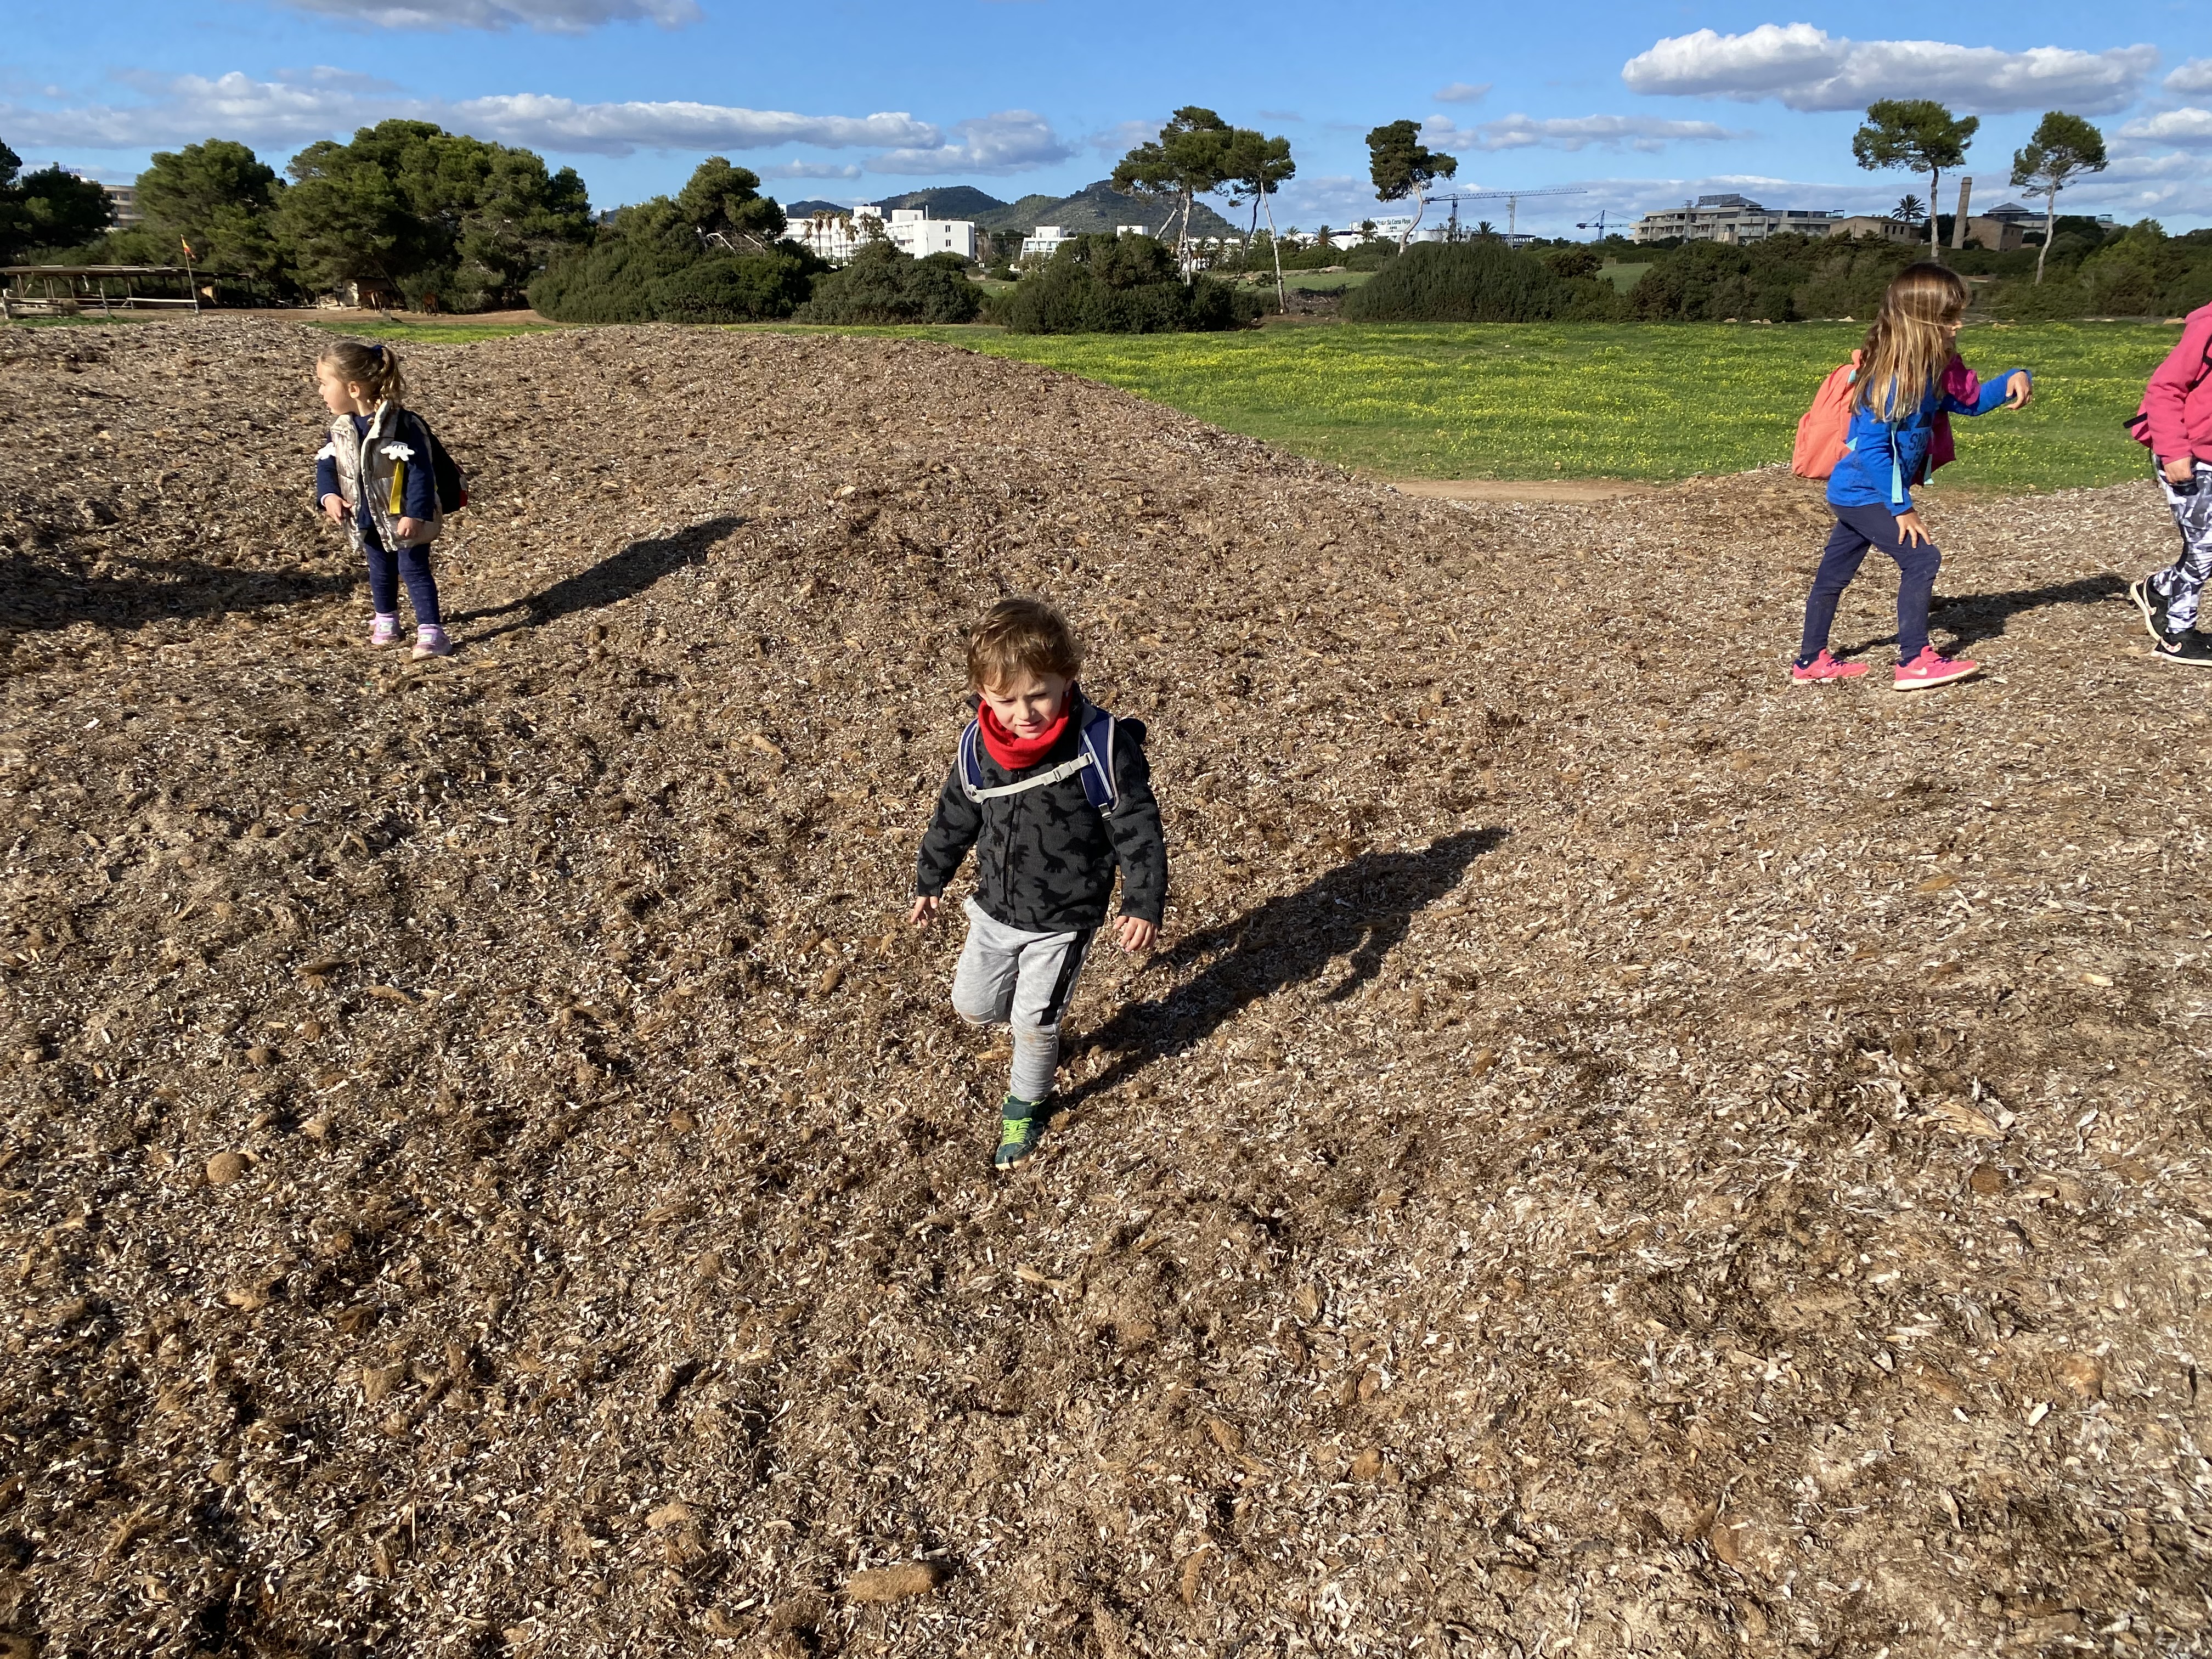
<point x="1617" y="1153"/>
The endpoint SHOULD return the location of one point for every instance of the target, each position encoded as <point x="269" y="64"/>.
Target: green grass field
<point x="456" y="333"/>
<point x="1601" y="400"/>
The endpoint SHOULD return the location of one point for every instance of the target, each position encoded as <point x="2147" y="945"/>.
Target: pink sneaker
<point x="1823" y="668"/>
<point x="430" y="640"/>
<point x="1929" y="670"/>
<point x="384" y="631"/>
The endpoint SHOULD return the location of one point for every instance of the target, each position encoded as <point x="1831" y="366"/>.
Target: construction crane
<point x="1512" y="199"/>
<point x="1596" y="224"/>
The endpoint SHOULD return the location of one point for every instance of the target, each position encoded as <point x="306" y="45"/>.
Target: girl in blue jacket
<point x="1909" y="380"/>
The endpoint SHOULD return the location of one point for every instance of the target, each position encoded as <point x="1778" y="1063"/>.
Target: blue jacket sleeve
<point x="326" y="478"/>
<point x="1993" y="395"/>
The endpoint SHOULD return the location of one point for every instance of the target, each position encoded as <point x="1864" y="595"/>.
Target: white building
<point x="916" y="232"/>
<point x="1731" y="218"/>
<point x="837" y="237"/>
<point x="1046" y="241"/>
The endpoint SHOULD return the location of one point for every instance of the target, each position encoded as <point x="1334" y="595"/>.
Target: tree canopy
<point x="1918" y="135"/>
<point x="1189" y="159"/>
<point x="221" y="199"/>
<point x="1401" y="165"/>
<point x="2063" y="148"/>
<point x="725" y="201"/>
<point x="408" y="206"/>
<point x="50" y="208"/>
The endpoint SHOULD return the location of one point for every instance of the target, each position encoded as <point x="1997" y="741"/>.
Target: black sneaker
<point x="2151" y="604"/>
<point x="2187" y="646"/>
<point x="1021" y="1126"/>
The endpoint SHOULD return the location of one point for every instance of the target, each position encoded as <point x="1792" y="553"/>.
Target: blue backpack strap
<point x="1098" y="785"/>
<point x="971" y="759"/>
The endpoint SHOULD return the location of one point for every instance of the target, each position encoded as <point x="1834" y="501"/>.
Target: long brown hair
<point x="373" y="368"/>
<point x="1906" y="353"/>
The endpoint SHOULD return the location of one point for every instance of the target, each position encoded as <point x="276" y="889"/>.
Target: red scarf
<point x="1017" y="753"/>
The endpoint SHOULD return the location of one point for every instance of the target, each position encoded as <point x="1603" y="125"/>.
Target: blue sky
<point x="1640" y="106"/>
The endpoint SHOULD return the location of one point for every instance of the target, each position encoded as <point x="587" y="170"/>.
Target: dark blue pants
<point x="386" y="568"/>
<point x="1857" y="529"/>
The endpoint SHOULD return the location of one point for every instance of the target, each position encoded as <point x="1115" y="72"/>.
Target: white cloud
<point x="561" y="123"/>
<point x="2193" y="76"/>
<point x="189" y="107"/>
<point x="810" y="170"/>
<point x="547" y="16"/>
<point x="1122" y="137"/>
<point x="1809" y="69"/>
<point x="2189" y="127"/>
<point x="1577" y="132"/>
<point x="1012" y="141"/>
<point x="1462" y="92"/>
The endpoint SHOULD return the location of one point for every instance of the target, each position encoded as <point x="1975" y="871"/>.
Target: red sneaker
<point x="1929" y="670"/>
<point x="1823" y="668"/>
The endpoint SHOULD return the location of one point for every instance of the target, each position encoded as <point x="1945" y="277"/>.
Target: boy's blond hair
<point x="1017" y="637"/>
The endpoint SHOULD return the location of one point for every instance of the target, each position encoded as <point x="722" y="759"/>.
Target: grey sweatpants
<point x="1009" y="977"/>
<point x="2182" y="582"/>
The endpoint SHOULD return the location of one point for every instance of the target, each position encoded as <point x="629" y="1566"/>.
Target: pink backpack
<point x="1823" y="429"/>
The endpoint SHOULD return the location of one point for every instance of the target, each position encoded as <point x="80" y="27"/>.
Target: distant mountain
<point x="1095" y="210"/>
<point x="947" y="202"/>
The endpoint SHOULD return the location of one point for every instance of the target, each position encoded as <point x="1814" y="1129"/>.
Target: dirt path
<point x="1620" y="1155"/>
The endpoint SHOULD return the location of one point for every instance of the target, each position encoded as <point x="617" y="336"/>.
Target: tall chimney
<point x="1959" y="224"/>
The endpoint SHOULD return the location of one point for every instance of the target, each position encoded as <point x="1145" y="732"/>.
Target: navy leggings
<point x="386" y="568"/>
<point x="1857" y="529"/>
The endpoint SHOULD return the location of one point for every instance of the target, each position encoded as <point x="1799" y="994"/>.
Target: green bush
<point x="735" y="289"/>
<point x="1478" y="281"/>
<point x="1779" y="280"/>
<point x="1123" y="285"/>
<point x="883" y="285"/>
<point x="612" y="281"/>
<point x="2138" y="272"/>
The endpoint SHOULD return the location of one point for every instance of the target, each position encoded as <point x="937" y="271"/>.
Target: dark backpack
<point x="452" y="486"/>
<point x="1094" y="760"/>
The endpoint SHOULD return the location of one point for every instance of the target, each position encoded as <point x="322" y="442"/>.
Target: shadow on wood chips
<point x="1359" y="912"/>
<point x="1619" y="1154"/>
<point x="618" y="577"/>
<point x="1971" y="618"/>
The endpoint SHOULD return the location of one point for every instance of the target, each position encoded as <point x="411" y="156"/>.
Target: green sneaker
<point x="1021" y="1126"/>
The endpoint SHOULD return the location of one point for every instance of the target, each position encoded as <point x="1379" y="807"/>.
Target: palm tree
<point x="1911" y="210"/>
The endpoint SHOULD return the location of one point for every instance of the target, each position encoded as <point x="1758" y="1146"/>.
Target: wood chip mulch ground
<point x="1619" y="1154"/>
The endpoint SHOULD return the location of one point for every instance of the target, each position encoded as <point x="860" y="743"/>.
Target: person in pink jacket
<point x="2175" y="421"/>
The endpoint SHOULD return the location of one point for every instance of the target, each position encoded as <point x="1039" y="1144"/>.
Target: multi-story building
<point x="123" y="205"/>
<point x="1889" y="228"/>
<point x="837" y="237"/>
<point x="1729" y="218"/>
<point x="1045" y="240"/>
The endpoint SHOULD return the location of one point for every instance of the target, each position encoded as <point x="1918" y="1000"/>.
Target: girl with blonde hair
<point x="376" y="476"/>
<point x="1910" y="379"/>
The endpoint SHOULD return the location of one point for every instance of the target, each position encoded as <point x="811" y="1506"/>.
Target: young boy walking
<point x="1055" y="795"/>
<point x="2175" y="423"/>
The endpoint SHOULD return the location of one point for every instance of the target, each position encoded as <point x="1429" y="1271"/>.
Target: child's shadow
<point x="1970" y="618"/>
<point x="1359" y="911"/>
<point x="617" y="576"/>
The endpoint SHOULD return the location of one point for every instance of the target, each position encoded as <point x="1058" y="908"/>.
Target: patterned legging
<point x="2181" y="582"/>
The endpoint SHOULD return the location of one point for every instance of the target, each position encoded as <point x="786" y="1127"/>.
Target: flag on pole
<point x="187" y="248"/>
